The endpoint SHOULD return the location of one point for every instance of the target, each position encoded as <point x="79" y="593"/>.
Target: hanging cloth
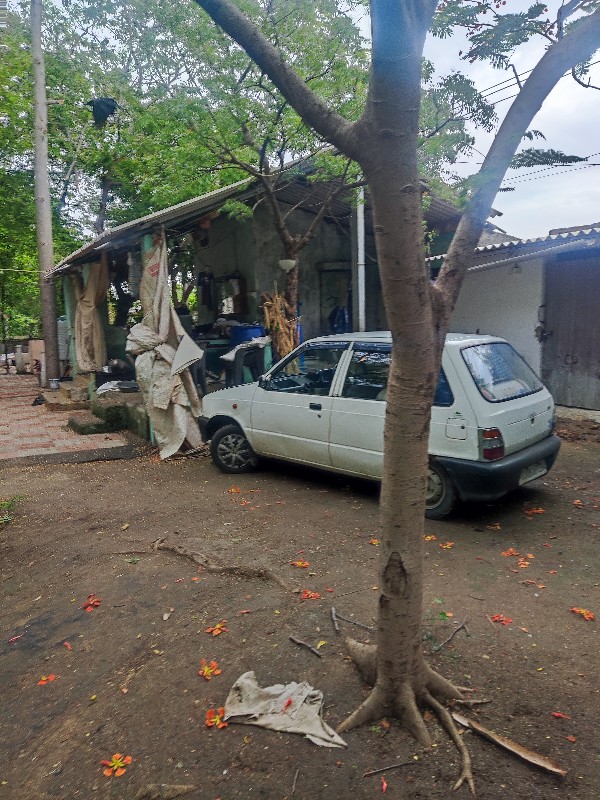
<point x="170" y="395"/>
<point x="90" y="344"/>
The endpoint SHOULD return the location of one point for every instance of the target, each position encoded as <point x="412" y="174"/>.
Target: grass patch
<point x="7" y="508"/>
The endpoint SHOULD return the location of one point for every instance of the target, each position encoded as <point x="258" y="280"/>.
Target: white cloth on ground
<point x="269" y="707"/>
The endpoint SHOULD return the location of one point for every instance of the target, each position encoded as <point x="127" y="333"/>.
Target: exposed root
<point x="401" y="702"/>
<point x="447" y="723"/>
<point x="364" y="657"/>
<point x="263" y="573"/>
<point x="373" y="708"/>
<point x="408" y="712"/>
<point x="440" y="687"/>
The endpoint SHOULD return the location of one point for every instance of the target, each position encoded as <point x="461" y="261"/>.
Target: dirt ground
<point x="127" y="678"/>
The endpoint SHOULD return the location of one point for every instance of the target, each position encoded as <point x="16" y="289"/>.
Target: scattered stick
<point x="452" y="635"/>
<point x="334" y="620"/>
<point x="513" y="747"/>
<point x="472" y="596"/>
<point x="204" y="561"/>
<point x="354" y="622"/>
<point x="294" y="783"/>
<point x="305" y="644"/>
<point x="471" y="702"/>
<point x="387" y="769"/>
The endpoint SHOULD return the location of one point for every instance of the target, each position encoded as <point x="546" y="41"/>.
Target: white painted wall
<point x="504" y="301"/>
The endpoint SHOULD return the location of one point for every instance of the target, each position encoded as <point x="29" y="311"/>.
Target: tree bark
<point x="105" y="187"/>
<point x="43" y="209"/>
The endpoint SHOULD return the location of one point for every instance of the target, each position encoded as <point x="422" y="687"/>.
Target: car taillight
<point x="491" y="444"/>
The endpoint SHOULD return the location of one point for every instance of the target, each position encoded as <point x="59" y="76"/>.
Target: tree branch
<point x="314" y="111"/>
<point x="574" y="48"/>
<point x="588" y="85"/>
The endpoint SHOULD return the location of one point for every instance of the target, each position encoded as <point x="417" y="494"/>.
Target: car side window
<point x="310" y="371"/>
<point x="367" y="375"/>
<point x="443" y="393"/>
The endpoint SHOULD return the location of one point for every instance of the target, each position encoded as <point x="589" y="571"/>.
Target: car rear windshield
<point x="499" y="372"/>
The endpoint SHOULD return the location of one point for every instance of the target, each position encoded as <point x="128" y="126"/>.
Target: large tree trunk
<point x="402" y="679"/>
<point x="43" y="210"/>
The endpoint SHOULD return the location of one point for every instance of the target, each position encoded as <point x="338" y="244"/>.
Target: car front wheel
<point x="441" y="494"/>
<point x="231" y="451"/>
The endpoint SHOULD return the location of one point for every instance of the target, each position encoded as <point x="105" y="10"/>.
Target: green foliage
<point x="447" y="105"/>
<point x="531" y="157"/>
<point x="7" y="508"/>
<point x="493" y="36"/>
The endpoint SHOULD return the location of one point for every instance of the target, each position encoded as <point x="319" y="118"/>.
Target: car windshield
<point x="499" y="372"/>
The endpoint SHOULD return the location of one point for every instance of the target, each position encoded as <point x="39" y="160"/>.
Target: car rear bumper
<point x="489" y="480"/>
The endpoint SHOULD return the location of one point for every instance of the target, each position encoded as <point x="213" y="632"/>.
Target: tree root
<point x="263" y="573"/>
<point x="402" y="700"/>
<point x="447" y="723"/>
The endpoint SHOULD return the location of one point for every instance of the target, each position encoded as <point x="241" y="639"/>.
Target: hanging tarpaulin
<point x="90" y="344"/>
<point x="170" y="395"/>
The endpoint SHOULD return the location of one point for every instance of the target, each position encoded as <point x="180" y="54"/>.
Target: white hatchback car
<point x="324" y="405"/>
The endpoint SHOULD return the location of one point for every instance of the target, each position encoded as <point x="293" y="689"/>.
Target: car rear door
<point x="357" y="415"/>
<point x="291" y="408"/>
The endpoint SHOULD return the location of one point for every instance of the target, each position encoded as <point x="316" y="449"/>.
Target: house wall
<point x="331" y="246"/>
<point x="253" y="247"/>
<point x="230" y="249"/>
<point x="504" y="301"/>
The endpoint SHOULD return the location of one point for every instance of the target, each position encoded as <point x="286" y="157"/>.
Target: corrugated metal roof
<point x="174" y="214"/>
<point x="528" y="248"/>
<point x="296" y="193"/>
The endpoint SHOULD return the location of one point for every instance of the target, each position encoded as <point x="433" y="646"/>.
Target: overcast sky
<point x="543" y="199"/>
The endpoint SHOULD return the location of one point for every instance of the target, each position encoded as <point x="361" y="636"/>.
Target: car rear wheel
<point x="231" y="451"/>
<point x="441" y="494"/>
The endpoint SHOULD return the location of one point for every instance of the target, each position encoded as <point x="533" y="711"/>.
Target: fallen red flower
<point x="585" y="613"/>
<point x="501" y="619"/>
<point x="218" y="629"/>
<point x="91" y="603"/>
<point x="308" y="595"/>
<point x="115" y="767"/>
<point x="215" y="718"/>
<point x="208" y="670"/>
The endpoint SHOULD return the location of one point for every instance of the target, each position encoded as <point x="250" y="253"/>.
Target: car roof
<point x="386" y="336"/>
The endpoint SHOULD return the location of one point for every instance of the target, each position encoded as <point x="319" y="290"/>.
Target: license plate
<point x="532" y="472"/>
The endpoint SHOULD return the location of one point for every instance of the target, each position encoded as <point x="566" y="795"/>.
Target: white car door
<point x="291" y="408"/>
<point x="357" y="415"/>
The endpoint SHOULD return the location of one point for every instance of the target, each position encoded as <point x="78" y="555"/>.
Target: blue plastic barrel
<point x="243" y="333"/>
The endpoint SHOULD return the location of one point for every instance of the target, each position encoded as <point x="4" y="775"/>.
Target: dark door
<point x="571" y="351"/>
<point x="336" y="300"/>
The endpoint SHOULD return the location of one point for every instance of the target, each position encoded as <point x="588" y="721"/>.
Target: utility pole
<point x="43" y="209"/>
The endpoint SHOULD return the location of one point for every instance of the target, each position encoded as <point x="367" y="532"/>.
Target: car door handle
<point x="315" y="406"/>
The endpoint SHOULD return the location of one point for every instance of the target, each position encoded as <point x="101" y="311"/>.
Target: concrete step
<point x="85" y="424"/>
